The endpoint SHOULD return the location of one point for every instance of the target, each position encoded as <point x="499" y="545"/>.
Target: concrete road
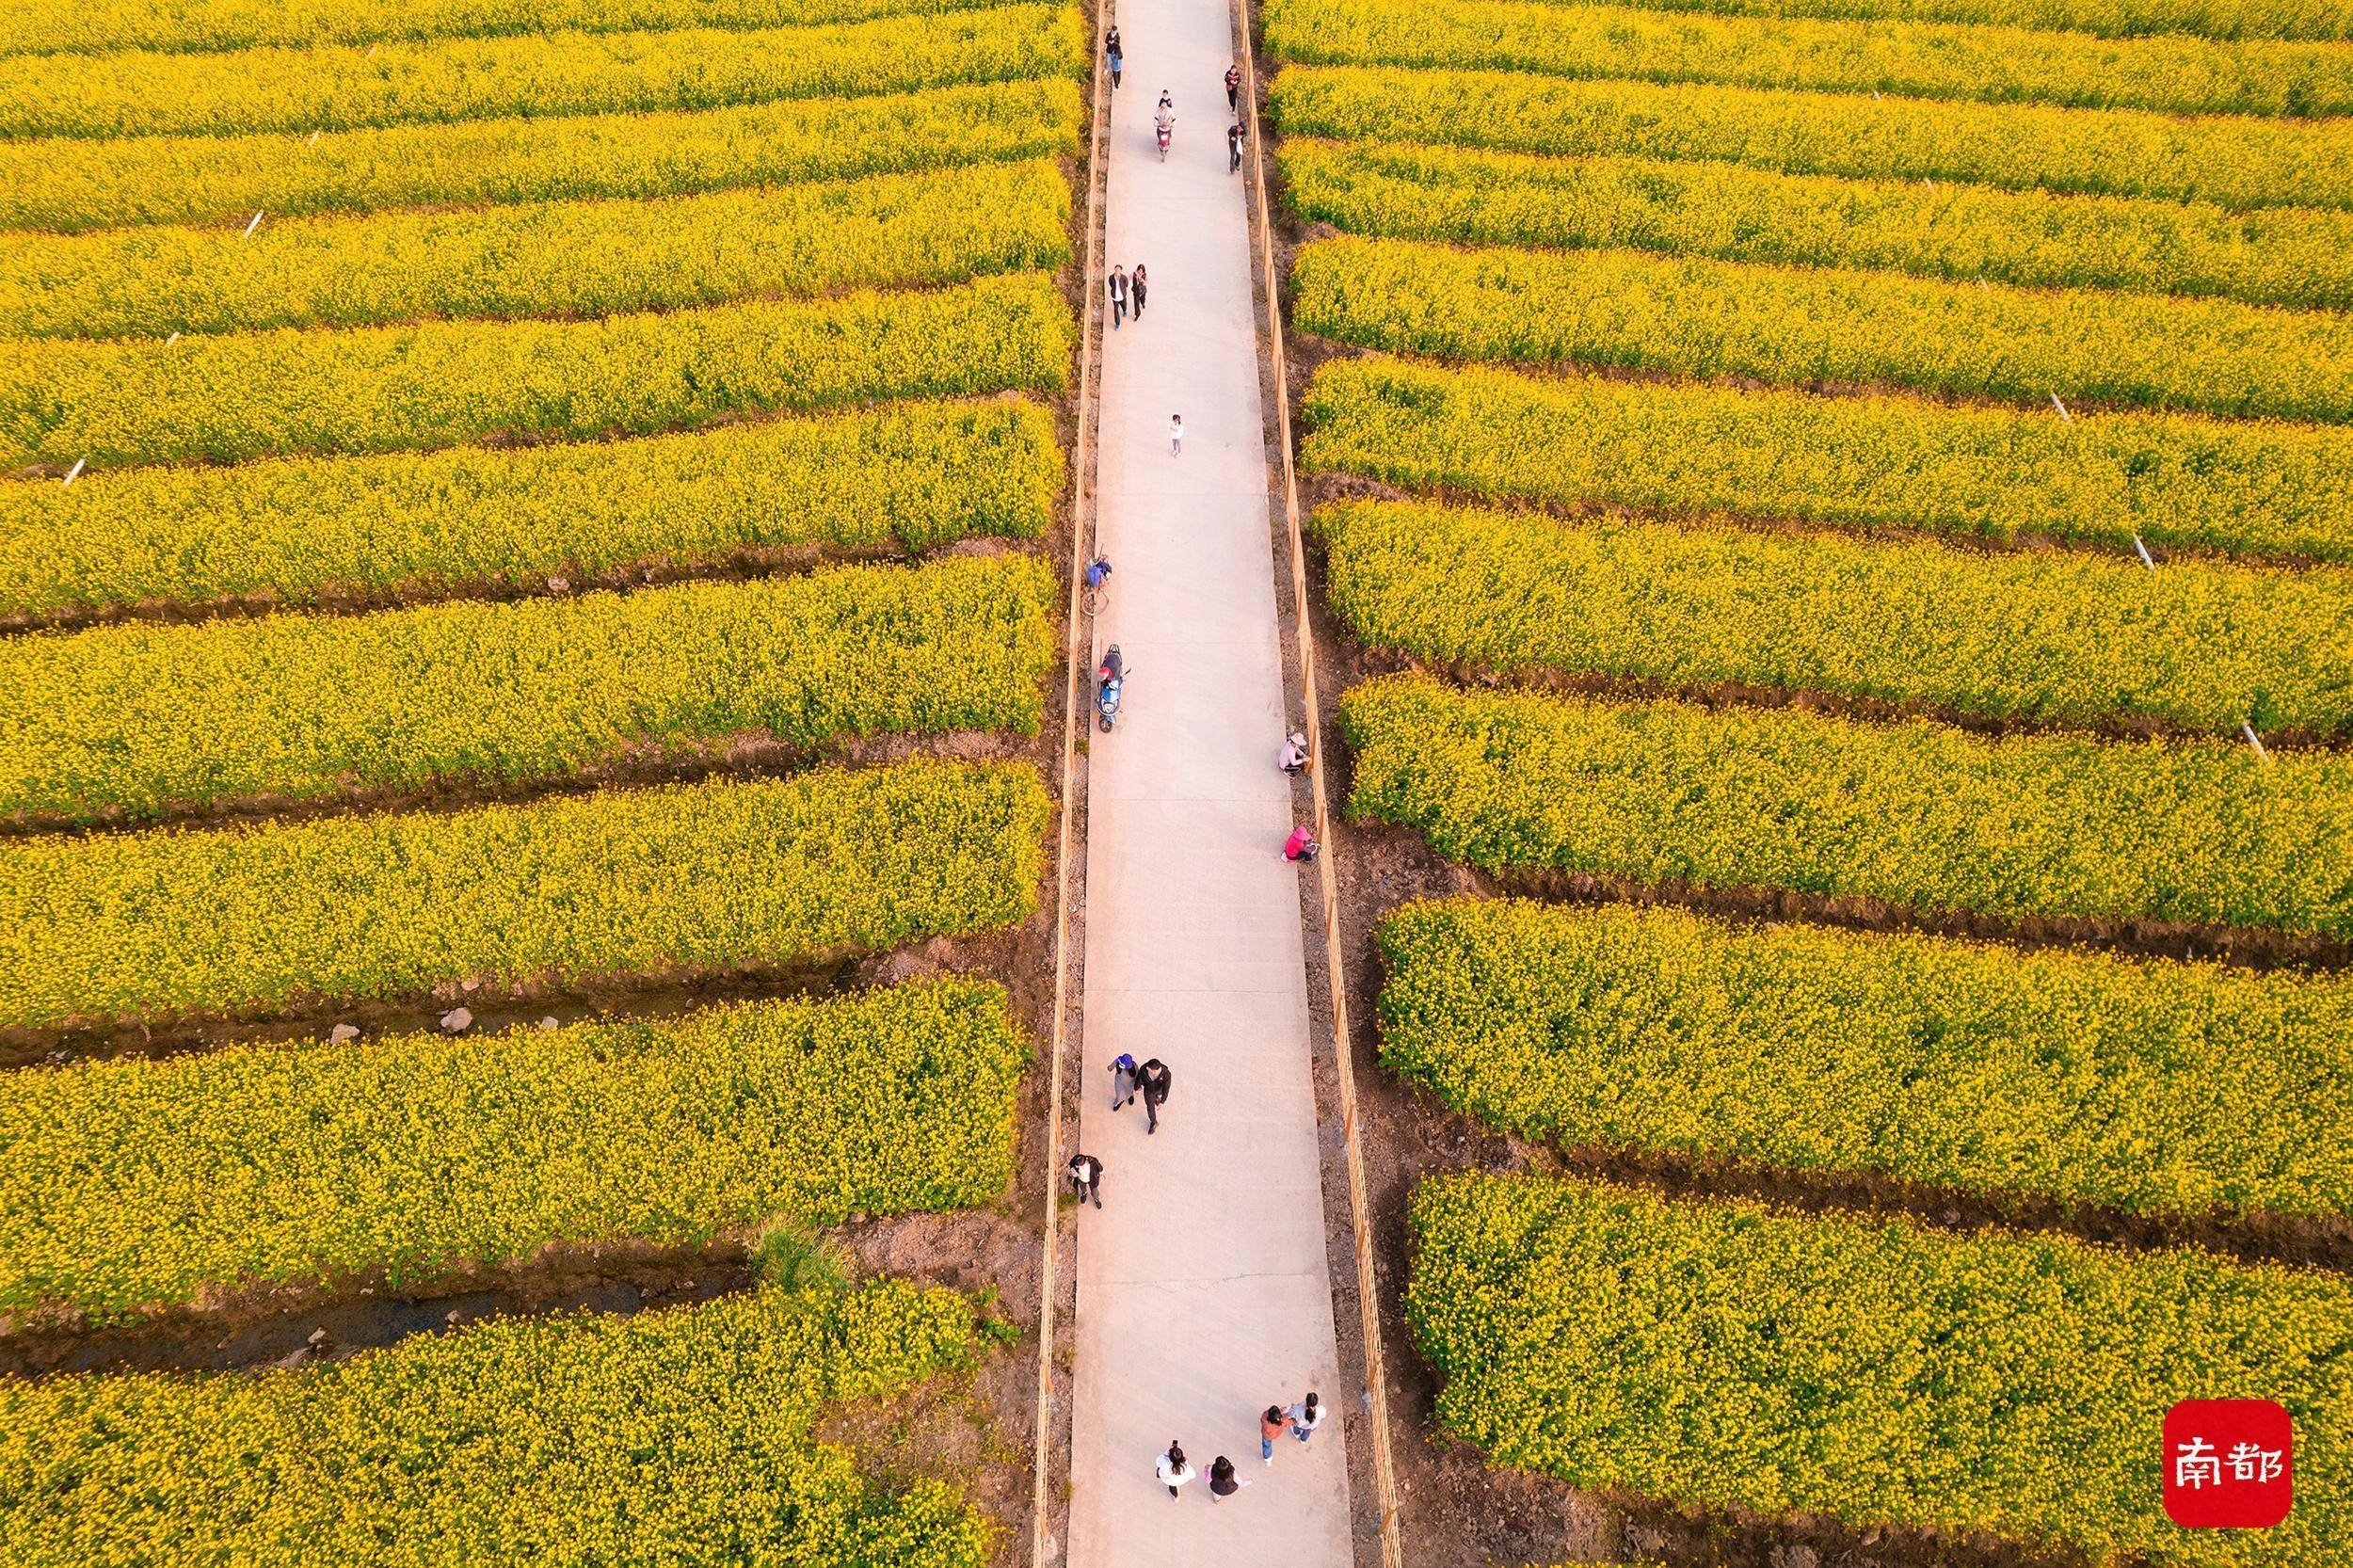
<point x="1203" y="1292"/>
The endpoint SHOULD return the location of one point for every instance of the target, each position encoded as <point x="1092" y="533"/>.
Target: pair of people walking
<point x="1151" y="1080"/>
<point x="1113" y="57"/>
<point x="1174" y="1472"/>
<point x="1127" y="291"/>
<point x="1300" y="1420"/>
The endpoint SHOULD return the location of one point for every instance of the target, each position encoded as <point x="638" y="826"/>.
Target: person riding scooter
<point x="1109" y="676"/>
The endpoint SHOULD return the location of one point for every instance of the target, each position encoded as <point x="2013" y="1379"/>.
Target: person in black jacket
<point x="1086" y="1178"/>
<point x="1153" y="1079"/>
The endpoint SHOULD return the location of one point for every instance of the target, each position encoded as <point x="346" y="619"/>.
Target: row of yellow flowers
<point x="343" y="87"/>
<point x="2221" y="19"/>
<point x="2253" y="489"/>
<point x="137" y="1184"/>
<point x="561" y="258"/>
<point x="2294" y="256"/>
<point x="676" y="1436"/>
<point x="2232" y="162"/>
<point x="566" y="888"/>
<point x="1800" y="326"/>
<point x="50" y="26"/>
<point x="905" y="476"/>
<point x="1916" y="814"/>
<point x="1728" y="1354"/>
<point x="444" y="383"/>
<point x="129" y="722"/>
<point x="72" y="187"/>
<point x="2065" y="639"/>
<point x="2157" y="1088"/>
<point x="1916" y="59"/>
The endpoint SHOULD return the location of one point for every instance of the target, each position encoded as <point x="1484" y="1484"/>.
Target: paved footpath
<point x="1202" y="1291"/>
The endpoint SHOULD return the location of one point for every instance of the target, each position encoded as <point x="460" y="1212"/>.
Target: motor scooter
<point x="1109" y="677"/>
<point x="1163" y="134"/>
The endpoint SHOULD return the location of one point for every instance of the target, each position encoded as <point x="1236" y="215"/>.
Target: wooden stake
<point x="2062" y="408"/>
<point x="2249" y="730"/>
<point x="2144" y="553"/>
<point x="251" y="227"/>
<point x="76" y="473"/>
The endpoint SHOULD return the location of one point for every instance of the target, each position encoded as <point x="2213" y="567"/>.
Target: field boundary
<point x="1367" y="1274"/>
<point x="1076" y="654"/>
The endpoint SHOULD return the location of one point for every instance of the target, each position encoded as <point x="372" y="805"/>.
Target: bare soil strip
<point x="524" y="1005"/>
<point x="751" y="564"/>
<point x="291" y="1325"/>
<point x="753" y="754"/>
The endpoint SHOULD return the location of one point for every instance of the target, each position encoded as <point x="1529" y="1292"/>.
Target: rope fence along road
<point x="1042" y="1543"/>
<point x="1359" y="1208"/>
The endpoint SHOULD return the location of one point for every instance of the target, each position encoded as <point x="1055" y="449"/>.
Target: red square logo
<point x="2229" y="1464"/>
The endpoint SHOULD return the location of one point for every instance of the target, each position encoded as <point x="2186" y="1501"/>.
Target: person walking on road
<point x="1135" y="290"/>
<point x="1175" y="434"/>
<point x="1304" y="1417"/>
<point x="1111" y="57"/>
<point x="1233" y="147"/>
<point x="1233" y="89"/>
<point x="1223" y="1483"/>
<point x="1172" y="1469"/>
<point x="1122" y="1081"/>
<point x="1271" y="1424"/>
<point x="1086" y="1178"/>
<point x="1154" y="1078"/>
<point x="1116" y="286"/>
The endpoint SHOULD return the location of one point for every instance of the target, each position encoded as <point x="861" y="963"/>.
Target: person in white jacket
<point x="1172" y="1469"/>
<point x="1175" y="434"/>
